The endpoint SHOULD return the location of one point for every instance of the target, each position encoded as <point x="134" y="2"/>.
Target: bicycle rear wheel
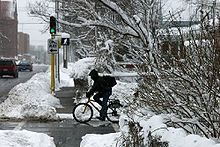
<point x="113" y="112"/>
<point x="82" y="112"/>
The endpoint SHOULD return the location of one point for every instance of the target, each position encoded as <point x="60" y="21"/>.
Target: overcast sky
<point x="34" y="30"/>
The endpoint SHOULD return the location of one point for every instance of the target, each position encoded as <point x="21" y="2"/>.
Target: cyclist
<point x="102" y="90"/>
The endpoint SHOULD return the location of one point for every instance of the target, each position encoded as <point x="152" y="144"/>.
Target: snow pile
<point x="31" y="100"/>
<point x="96" y="140"/>
<point x="24" y="139"/>
<point x="65" y="74"/>
<point x="81" y="68"/>
<point x="176" y="137"/>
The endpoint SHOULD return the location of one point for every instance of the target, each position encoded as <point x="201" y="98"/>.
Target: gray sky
<point x="34" y="30"/>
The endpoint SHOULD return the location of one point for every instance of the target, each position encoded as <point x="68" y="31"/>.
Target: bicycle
<point x="83" y="112"/>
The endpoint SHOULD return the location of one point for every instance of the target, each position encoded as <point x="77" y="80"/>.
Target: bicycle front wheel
<point x="113" y="112"/>
<point x="82" y="112"/>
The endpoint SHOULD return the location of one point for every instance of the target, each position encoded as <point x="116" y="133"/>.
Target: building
<point x="8" y="28"/>
<point x="23" y="43"/>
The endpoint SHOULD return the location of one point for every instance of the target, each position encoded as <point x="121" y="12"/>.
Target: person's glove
<point x="88" y="94"/>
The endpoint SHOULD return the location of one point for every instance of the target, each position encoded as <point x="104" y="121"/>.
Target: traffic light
<point x="52" y="25"/>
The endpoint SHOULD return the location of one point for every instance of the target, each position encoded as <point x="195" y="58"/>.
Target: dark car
<point x="25" y="65"/>
<point x="8" y="67"/>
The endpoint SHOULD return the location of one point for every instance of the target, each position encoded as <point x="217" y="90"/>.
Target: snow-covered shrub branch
<point x="187" y="83"/>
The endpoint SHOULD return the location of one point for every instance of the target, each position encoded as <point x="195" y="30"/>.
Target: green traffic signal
<point x="52" y="31"/>
<point x="52" y="25"/>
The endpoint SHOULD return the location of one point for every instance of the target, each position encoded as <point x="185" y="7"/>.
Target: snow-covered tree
<point x="134" y="26"/>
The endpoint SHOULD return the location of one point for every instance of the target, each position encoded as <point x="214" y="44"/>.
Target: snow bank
<point x="176" y="137"/>
<point x="96" y="140"/>
<point x="65" y="76"/>
<point x="31" y="100"/>
<point x="24" y="139"/>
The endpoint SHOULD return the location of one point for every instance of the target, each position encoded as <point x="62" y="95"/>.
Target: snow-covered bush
<point x="186" y="86"/>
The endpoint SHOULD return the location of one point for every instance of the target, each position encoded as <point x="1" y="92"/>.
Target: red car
<point x="8" y="67"/>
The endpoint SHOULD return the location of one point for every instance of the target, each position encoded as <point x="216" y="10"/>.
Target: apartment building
<point x="8" y="28"/>
<point x="23" y="43"/>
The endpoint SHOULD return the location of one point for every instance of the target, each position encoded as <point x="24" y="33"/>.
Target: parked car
<point x="25" y="65"/>
<point x="8" y="67"/>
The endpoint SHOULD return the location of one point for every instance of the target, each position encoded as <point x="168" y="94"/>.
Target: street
<point x="66" y="133"/>
<point x="7" y="83"/>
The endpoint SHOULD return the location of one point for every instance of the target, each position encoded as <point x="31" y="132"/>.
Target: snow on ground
<point x="24" y="139"/>
<point x="97" y="140"/>
<point x="31" y="100"/>
<point x="65" y="77"/>
<point x="175" y="136"/>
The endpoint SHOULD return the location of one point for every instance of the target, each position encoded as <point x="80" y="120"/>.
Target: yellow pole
<point x="52" y="61"/>
<point x="52" y="68"/>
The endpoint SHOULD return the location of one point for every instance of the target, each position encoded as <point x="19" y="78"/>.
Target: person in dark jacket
<point x="102" y="90"/>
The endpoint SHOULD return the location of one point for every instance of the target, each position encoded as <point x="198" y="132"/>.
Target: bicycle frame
<point x="90" y="100"/>
<point x="89" y="106"/>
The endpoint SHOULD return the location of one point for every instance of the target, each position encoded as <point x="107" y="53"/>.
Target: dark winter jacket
<point x="99" y="84"/>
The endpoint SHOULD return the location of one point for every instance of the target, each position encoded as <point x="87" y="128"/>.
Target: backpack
<point x="111" y="82"/>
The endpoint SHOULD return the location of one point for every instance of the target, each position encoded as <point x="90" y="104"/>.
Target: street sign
<point x="65" y="41"/>
<point x="52" y="46"/>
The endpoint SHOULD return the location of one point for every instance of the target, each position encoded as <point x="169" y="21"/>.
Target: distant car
<point x="25" y="65"/>
<point x="8" y="67"/>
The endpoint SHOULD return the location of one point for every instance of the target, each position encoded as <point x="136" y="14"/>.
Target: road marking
<point x="20" y="125"/>
<point x="64" y="116"/>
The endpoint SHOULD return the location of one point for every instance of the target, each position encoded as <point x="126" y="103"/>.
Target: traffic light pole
<point x="52" y="80"/>
<point x="52" y="68"/>
<point x="52" y="56"/>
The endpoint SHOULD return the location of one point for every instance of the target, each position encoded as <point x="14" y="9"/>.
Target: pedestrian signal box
<point x="65" y="41"/>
